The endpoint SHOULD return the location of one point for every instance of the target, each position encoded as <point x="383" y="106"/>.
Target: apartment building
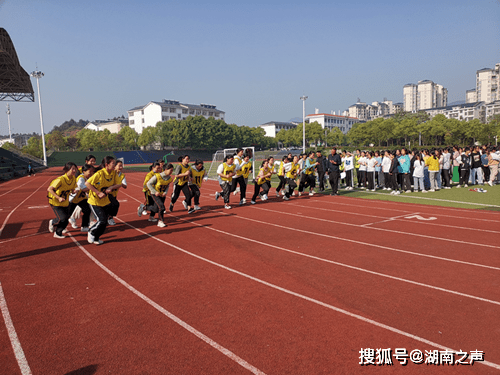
<point x="426" y="94"/>
<point x="466" y="112"/>
<point x="368" y="112"/>
<point x="273" y="127"/>
<point x="330" y="121"/>
<point x="154" y="112"/>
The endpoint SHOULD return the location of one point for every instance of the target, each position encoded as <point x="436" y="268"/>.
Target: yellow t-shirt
<point x="263" y="171"/>
<point x="292" y="173"/>
<point x="120" y="177"/>
<point x="148" y="177"/>
<point x="182" y="180"/>
<point x="227" y="169"/>
<point x="197" y="176"/>
<point x="432" y="163"/>
<point x="161" y="185"/>
<point x="280" y="169"/>
<point x="102" y="180"/>
<point x="63" y="186"/>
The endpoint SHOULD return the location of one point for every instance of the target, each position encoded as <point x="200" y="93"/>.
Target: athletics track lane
<point x="177" y="231"/>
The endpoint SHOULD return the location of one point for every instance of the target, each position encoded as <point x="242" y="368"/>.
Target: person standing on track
<point x="225" y="173"/>
<point x="281" y="175"/>
<point x="100" y="185"/>
<point x="158" y="188"/>
<point x="291" y="168"/>
<point x="149" y="202"/>
<point x="241" y="161"/>
<point x="182" y="174"/>
<point x="115" y="205"/>
<point x="58" y="194"/>
<point x="333" y="167"/>
<point x="307" y="178"/>
<point x="198" y="175"/>
<point x="79" y="198"/>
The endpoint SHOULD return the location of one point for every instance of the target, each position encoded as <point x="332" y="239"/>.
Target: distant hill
<point x="71" y="127"/>
<point x="457" y="102"/>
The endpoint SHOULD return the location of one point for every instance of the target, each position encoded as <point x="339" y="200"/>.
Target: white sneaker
<point x="140" y="210"/>
<point x="300" y="193"/>
<point x="458" y="186"/>
<point x="244" y="200"/>
<point x="90" y="238"/>
<point x="277" y="194"/>
<point x="51" y="227"/>
<point x="253" y="202"/>
<point x="397" y="192"/>
<point x="490" y="183"/>
<point x="408" y="191"/>
<point x="197" y="207"/>
<point x="285" y="198"/>
<point x="227" y="207"/>
<point x="393" y="192"/>
<point x="84" y="229"/>
<point x="184" y="203"/>
<point x="58" y="236"/>
<point x="111" y="221"/>
<point x="424" y="191"/>
<point x="264" y="197"/>
<point x="242" y="203"/>
<point x="432" y="190"/>
<point x="99" y="242"/>
<point x="283" y="192"/>
<point x="153" y="219"/>
<point x="73" y="223"/>
<point x="311" y="192"/>
<point x="217" y="195"/>
<point x="161" y="224"/>
<point x="466" y="185"/>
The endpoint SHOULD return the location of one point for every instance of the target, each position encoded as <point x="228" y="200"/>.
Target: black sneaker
<point x="171" y="208"/>
<point x="191" y="210"/>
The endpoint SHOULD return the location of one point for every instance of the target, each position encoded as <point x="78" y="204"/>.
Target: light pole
<point x="303" y="98"/>
<point x="8" y="120"/>
<point x="38" y="74"/>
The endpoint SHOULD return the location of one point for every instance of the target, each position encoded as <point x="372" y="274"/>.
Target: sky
<point x="253" y="60"/>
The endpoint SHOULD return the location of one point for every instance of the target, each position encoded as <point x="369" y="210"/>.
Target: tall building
<point x="471" y="96"/>
<point x="330" y="121"/>
<point x="154" y="112"/>
<point x="426" y="94"/>
<point x="368" y="112"/>
<point x="488" y="84"/>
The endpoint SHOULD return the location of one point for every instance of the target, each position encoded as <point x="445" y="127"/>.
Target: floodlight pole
<point x="8" y="121"/>
<point x="38" y="74"/>
<point x="303" y="98"/>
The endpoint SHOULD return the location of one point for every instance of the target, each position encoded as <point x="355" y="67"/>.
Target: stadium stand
<point x="16" y="165"/>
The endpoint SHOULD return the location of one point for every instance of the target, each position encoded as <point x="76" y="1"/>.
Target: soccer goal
<point x="218" y="158"/>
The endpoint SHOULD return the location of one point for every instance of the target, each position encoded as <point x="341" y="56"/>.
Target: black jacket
<point x="334" y="167"/>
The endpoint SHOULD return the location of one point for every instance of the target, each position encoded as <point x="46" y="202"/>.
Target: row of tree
<point x="402" y="129"/>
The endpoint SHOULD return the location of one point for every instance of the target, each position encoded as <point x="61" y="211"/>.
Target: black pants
<point x="464" y="176"/>
<point x="406" y="183"/>
<point x="265" y="189"/>
<point x="486" y="173"/>
<point x="446" y="177"/>
<point x="333" y="177"/>
<point x="84" y="205"/>
<point x="101" y="214"/>
<point x="393" y="181"/>
<point x="243" y="185"/>
<point x="291" y="187"/>
<point x="348" y="178"/>
<point x="195" y="193"/>
<point x="159" y="206"/>
<point x="387" y="180"/>
<point x="362" y="178"/>
<point x="61" y="221"/>
<point x="149" y="203"/>
<point x="321" y="181"/>
<point x="185" y="190"/>
<point x="306" y="180"/>
<point x="370" y="178"/>
<point x="281" y="184"/>
<point x="115" y="205"/>
<point x="226" y="191"/>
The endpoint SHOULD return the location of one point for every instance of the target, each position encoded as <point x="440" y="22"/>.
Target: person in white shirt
<point x="418" y="173"/>
<point x="348" y="161"/>
<point x="386" y="165"/>
<point x="362" y="171"/>
<point x="371" y="163"/>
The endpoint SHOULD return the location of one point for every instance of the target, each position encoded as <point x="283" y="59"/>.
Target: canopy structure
<point x="15" y="83"/>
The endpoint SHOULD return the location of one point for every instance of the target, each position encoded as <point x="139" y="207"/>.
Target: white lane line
<point x="17" y="187"/>
<point x="377" y="222"/>
<point x="407" y="220"/>
<point x="14" y="340"/>
<point x="320" y="303"/>
<point x="379" y="229"/>
<point x="169" y="315"/>
<point x="346" y="265"/>
<point x="11" y="212"/>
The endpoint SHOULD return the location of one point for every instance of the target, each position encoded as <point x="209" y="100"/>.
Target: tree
<point x="130" y="138"/>
<point x="88" y="139"/>
<point x="148" y="136"/>
<point x="335" y="137"/>
<point x="55" y="140"/>
<point x="34" y="147"/>
<point x="72" y="143"/>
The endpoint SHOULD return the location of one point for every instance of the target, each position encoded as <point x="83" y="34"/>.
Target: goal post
<point x="218" y="158"/>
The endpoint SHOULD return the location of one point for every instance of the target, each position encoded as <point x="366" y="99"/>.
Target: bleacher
<point x="15" y="165"/>
<point x="59" y="158"/>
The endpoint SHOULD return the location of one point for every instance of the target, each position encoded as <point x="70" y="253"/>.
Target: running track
<point x="294" y="287"/>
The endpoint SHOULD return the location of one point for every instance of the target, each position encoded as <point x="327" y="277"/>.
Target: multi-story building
<point x="425" y="95"/>
<point x="471" y="96"/>
<point x="114" y="126"/>
<point x="488" y="84"/>
<point x="330" y="121"/>
<point x="467" y="111"/>
<point x="367" y="112"/>
<point x="273" y="127"/>
<point x="492" y="109"/>
<point x="154" y="112"/>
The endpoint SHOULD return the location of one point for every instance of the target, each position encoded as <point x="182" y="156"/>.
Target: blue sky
<point x="252" y="59"/>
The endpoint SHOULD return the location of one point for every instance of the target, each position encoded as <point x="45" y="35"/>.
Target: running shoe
<point x="217" y="195"/>
<point x="84" y="229"/>
<point x="51" y="227"/>
<point x="98" y="242"/>
<point x="111" y="221"/>
<point x="264" y="197"/>
<point x="227" y="207"/>
<point x="191" y="210"/>
<point x="73" y="223"/>
<point x="285" y="198"/>
<point x="184" y="203"/>
<point x="161" y="224"/>
<point x="253" y="202"/>
<point x="90" y="238"/>
<point x="242" y="203"/>
<point x="171" y="207"/>
<point x="140" y="210"/>
<point x="197" y="207"/>
<point x="153" y="219"/>
<point x="58" y="236"/>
